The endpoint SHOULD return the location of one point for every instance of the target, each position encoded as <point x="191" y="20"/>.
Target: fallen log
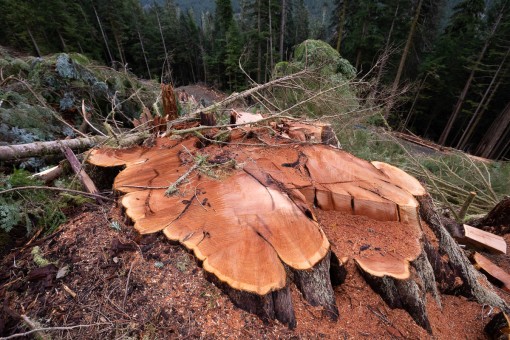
<point x="258" y="213"/>
<point x="39" y="149"/>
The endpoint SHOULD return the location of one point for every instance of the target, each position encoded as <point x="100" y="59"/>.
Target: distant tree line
<point x="454" y="54"/>
<point x="160" y="39"/>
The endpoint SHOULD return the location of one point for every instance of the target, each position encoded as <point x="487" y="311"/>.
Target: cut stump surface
<point x="247" y="211"/>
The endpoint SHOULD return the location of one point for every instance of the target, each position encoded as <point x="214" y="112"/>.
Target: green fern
<point x="10" y="215"/>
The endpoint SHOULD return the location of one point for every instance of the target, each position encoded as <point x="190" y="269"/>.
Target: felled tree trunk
<point x="253" y="212"/>
<point x="39" y="149"/>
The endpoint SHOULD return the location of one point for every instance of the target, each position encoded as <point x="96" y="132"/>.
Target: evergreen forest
<point x="437" y="68"/>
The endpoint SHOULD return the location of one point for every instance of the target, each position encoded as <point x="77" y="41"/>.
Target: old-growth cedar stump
<point x="252" y="211"/>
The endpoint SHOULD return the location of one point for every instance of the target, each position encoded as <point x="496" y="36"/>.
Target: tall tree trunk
<point x="482" y="104"/>
<point x="36" y="47"/>
<point x="270" y="37"/>
<point x="503" y="149"/>
<point x="119" y="47"/>
<point x="495" y="132"/>
<point x="386" y="48"/>
<point x="62" y="41"/>
<point x="204" y="64"/>
<point x="341" y="23"/>
<point x="462" y="97"/>
<point x="282" y="28"/>
<point x="359" y="51"/>
<point x="383" y="59"/>
<point x="259" y="45"/>
<point x="104" y="36"/>
<point x="411" y="110"/>
<point x="81" y="48"/>
<point x="167" y="62"/>
<point x="143" y="52"/>
<point x="405" y="52"/>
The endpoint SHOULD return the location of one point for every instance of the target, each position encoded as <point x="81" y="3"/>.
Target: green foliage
<point x="320" y="55"/>
<point x="27" y="105"/>
<point x="115" y="225"/>
<point x="326" y="87"/>
<point x="10" y="215"/>
<point x="448" y="177"/>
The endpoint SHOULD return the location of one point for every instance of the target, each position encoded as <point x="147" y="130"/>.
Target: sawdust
<point x="167" y="295"/>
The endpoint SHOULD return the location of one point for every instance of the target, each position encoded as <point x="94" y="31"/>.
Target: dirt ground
<point x="121" y="285"/>
<point x="202" y="92"/>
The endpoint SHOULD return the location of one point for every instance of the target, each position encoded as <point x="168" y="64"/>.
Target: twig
<point x="84" y="114"/>
<point x="172" y="189"/>
<point x="49" y="329"/>
<point x="275" y="116"/>
<point x="33" y="187"/>
<point x="427" y="173"/>
<point x="465" y="206"/>
<point x="127" y="285"/>
<point x="248" y="92"/>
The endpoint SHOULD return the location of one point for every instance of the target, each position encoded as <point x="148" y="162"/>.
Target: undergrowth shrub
<point x="32" y="209"/>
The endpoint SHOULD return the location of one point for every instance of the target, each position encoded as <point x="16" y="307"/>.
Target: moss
<point x="20" y="65"/>
<point x="39" y="260"/>
<point x="80" y="59"/>
<point x="4" y="63"/>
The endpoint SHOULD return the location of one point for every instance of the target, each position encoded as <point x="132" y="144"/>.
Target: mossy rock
<point x="62" y="81"/>
<point x="319" y="54"/>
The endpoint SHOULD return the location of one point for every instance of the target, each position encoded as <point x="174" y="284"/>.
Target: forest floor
<point x="119" y="284"/>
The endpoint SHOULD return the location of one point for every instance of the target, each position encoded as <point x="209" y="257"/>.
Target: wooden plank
<point x="483" y="239"/>
<point x="481" y="262"/>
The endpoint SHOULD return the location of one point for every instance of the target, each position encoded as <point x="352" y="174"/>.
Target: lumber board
<point x="483" y="239"/>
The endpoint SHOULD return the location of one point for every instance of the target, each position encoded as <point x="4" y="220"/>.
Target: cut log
<point x="244" y="117"/>
<point x="207" y="119"/>
<point x="486" y="265"/>
<point x="309" y="132"/>
<point x="49" y="175"/>
<point x="247" y="213"/>
<point x="484" y="240"/>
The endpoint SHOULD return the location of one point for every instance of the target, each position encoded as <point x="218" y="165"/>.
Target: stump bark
<point x="254" y="210"/>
